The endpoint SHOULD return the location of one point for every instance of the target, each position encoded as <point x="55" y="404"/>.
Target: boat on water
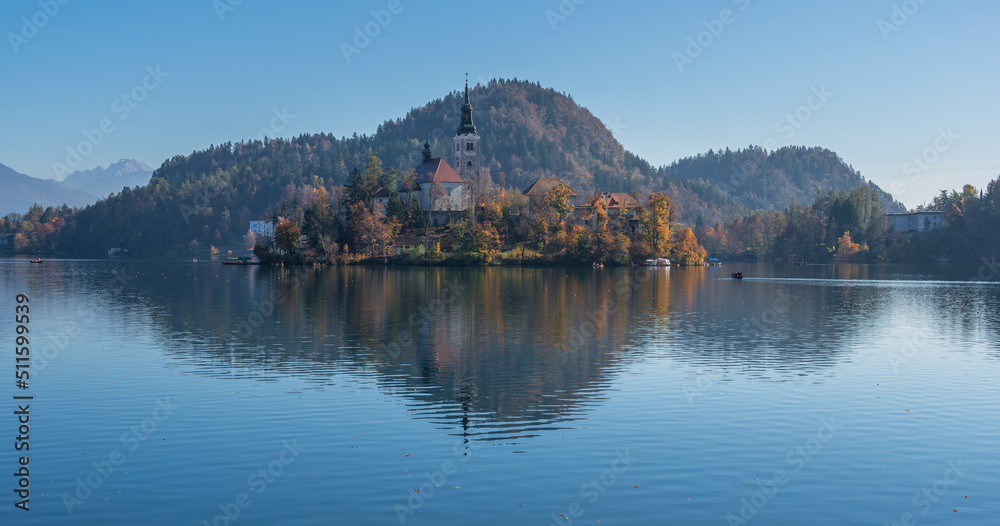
<point x="36" y="260"/>
<point x="658" y="262"/>
<point x="737" y="275"/>
<point x="242" y="260"/>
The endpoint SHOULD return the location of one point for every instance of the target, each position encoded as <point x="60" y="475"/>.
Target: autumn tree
<point x="287" y="234"/>
<point x="656" y="224"/>
<point x="686" y="248"/>
<point x="368" y="229"/>
<point x="845" y="248"/>
<point x="319" y="224"/>
<point x="249" y="240"/>
<point x="556" y="204"/>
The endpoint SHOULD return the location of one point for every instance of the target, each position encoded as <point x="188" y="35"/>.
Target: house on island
<point x="616" y="204"/>
<point x="543" y="185"/>
<point x="620" y="204"/>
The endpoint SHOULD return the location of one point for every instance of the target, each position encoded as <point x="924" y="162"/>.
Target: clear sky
<point x="880" y="82"/>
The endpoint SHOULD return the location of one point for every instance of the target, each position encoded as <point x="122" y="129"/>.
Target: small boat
<point x="242" y="260"/>
<point x="662" y="262"/>
<point x="737" y="275"/>
<point x="598" y="265"/>
<point x="36" y="260"/>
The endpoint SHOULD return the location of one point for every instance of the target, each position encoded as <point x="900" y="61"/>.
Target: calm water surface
<point x="193" y="393"/>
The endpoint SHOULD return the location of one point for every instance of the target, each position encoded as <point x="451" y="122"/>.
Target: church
<point x="444" y="191"/>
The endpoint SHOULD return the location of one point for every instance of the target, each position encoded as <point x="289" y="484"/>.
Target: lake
<point x="178" y="392"/>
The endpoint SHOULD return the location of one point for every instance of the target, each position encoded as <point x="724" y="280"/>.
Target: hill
<point x="527" y="131"/>
<point x="106" y="181"/>
<point x="718" y="185"/>
<point x="21" y="191"/>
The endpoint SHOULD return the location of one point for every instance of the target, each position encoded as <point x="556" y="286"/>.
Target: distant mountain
<point x="101" y="182"/>
<point x="21" y="191"/>
<point x="527" y="132"/>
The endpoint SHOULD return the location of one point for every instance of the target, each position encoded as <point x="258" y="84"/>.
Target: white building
<point x="916" y="222"/>
<point x="441" y="190"/>
<point x="262" y="228"/>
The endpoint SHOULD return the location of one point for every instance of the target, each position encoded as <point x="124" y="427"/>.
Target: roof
<point x="437" y="170"/>
<point x="381" y="192"/>
<point x="915" y="213"/>
<point x="620" y="199"/>
<point x="543" y="185"/>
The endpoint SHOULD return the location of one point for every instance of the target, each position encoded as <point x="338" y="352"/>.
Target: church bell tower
<point x="467" y="143"/>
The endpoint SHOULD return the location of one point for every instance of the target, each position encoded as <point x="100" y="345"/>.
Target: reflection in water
<point x="369" y="368"/>
<point x="503" y="353"/>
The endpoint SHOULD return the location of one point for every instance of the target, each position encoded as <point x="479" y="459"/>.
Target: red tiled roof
<point x="437" y="170"/>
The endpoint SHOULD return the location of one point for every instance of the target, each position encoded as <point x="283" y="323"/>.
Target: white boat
<point x="658" y="262"/>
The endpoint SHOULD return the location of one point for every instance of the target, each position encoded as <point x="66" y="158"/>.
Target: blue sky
<point x="880" y="82"/>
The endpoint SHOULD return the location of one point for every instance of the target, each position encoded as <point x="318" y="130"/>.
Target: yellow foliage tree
<point x="686" y="248"/>
<point x="846" y="248"/>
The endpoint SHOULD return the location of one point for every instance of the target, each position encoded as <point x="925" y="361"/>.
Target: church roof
<point x="467" y="127"/>
<point x="543" y="185"/>
<point x="437" y="170"/>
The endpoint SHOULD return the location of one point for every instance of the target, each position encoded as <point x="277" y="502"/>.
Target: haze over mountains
<point x="78" y="189"/>
<point x="21" y="191"/>
<point x="102" y="182"/>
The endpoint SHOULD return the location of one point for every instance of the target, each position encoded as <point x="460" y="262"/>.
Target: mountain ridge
<point x="526" y="131"/>
<point x="102" y="181"/>
<point x="21" y="191"/>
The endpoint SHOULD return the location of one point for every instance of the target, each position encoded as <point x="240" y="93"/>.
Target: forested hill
<point x="527" y="131"/>
<point x="718" y="185"/>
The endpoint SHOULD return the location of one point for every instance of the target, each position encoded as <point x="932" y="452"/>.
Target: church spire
<point x="467" y="127"/>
